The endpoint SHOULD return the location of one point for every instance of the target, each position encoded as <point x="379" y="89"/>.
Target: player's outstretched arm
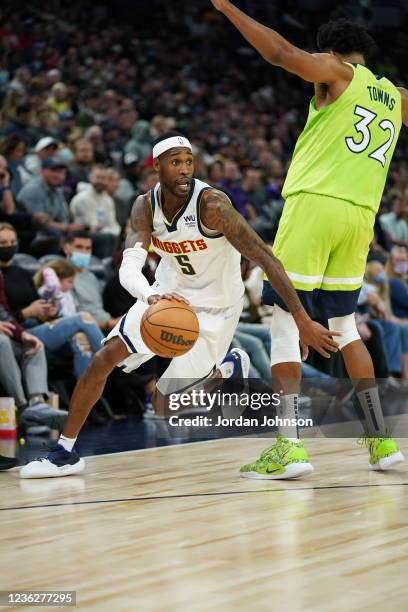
<point x="404" y="100"/>
<point x="217" y="213"/>
<point x="315" y="68"/>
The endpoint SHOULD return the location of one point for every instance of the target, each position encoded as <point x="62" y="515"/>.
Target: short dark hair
<point x="345" y="37"/>
<point x="167" y="135"/>
<point x="70" y="237"/>
<point x="9" y="144"/>
<point x="23" y="109"/>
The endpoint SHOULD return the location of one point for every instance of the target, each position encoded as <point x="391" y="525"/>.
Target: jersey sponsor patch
<point x="189" y="220"/>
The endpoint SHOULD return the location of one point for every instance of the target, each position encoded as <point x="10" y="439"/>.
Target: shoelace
<point x="41" y="459"/>
<point x="277" y="451"/>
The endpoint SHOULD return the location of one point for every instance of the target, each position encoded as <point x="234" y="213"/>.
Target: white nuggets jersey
<point x="198" y="263"/>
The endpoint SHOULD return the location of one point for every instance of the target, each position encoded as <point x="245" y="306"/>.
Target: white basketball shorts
<point x="217" y="327"/>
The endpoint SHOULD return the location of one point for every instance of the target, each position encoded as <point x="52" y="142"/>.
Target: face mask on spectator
<point x="80" y="260"/>
<point x="66" y="155"/>
<point x="380" y="278"/>
<point x="7" y="252"/>
<point x="401" y="267"/>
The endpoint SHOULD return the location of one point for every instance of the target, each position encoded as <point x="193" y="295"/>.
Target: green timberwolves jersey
<point x="346" y="147"/>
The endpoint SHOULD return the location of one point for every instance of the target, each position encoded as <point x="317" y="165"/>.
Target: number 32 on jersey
<point x="362" y="141"/>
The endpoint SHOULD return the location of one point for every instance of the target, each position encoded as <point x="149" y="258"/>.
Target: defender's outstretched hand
<point x="318" y="337"/>
<point x="153" y="299"/>
<point x="220" y="5"/>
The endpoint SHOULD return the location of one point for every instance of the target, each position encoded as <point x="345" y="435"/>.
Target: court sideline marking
<point x="191" y="495"/>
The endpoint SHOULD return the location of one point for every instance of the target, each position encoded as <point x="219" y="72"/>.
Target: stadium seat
<point x="28" y="262"/>
<point x="98" y="268"/>
<point x="107" y="264"/>
<point x="47" y="258"/>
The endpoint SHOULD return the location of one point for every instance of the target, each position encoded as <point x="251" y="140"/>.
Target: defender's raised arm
<point x="315" y="68"/>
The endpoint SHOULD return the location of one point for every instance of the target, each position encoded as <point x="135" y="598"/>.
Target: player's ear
<point x="156" y="165"/>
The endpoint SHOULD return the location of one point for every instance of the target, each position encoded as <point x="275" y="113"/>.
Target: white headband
<point x="170" y="143"/>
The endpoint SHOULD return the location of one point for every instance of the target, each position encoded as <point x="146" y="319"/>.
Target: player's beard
<point x="174" y="189"/>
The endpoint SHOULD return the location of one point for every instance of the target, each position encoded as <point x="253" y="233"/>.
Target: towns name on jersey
<point x="379" y="95"/>
<point x="186" y="246"/>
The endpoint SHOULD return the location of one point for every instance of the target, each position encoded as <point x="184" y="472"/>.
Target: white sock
<point x="288" y="409"/>
<point x="226" y="369"/>
<point x="369" y="401"/>
<point x="67" y="443"/>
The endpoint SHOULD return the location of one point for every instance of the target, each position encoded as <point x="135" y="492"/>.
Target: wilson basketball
<point x="169" y="328"/>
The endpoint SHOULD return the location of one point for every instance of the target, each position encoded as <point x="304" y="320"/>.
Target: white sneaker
<point x="58" y="462"/>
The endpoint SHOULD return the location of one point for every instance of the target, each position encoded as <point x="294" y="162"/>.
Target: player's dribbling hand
<point x="220" y="5"/>
<point x="318" y="337"/>
<point x="153" y="299"/>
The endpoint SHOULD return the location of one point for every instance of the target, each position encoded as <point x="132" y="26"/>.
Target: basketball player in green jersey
<point x="333" y="190"/>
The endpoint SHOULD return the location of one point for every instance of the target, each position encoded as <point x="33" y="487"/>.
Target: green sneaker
<point x="284" y="459"/>
<point x="384" y="453"/>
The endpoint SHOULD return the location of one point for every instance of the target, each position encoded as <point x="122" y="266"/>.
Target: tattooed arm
<point x="141" y="223"/>
<point x="217" y="213"/>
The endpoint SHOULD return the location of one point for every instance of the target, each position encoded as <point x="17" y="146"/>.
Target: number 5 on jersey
<point x="363" y="128"/>
<point x="185" y="265"/>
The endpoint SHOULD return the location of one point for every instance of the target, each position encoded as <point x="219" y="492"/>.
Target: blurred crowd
<point x="84" y="91"/>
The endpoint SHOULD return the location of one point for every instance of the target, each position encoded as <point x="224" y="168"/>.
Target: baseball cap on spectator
<point x="45" y="142"/>
<point x="68" y="114"/>
<point x="53" y="162"/>
<point x="130" y="158"/>
<point x="109" y="125"/>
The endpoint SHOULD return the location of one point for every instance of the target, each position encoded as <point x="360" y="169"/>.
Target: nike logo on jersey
<point x="186" y="246"/>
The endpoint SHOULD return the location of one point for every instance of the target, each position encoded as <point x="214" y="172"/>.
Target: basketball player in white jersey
<point x="200" y="238"/>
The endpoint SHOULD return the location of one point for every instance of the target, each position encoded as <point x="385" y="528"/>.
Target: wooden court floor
<point x="174" y="528"/>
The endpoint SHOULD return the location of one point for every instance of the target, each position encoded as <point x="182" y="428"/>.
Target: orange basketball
<point x="169" y="328"/>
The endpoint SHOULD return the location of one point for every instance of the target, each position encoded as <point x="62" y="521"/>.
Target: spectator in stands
<point x="44" y="194"/>
<point x="87" y="290"/>
<point x="55" y="282"/>
<point x="397" y="270"/>
<point x="7" y="204"/>
<point x="128" y="183"/>
<point x="81" y="167"/>
<point x="370" y="305"/>
<point x="395" y="223"/>
<point x="148" y="180"/>
<point x="121" y="205"/>
<point x="94" y="135"/>
<point x="26" y="224"/>
<point x="231" y="184"/>
<point x="46" y="122"/>
<point x="377" y="276"/>
<point x="38" y="315"/>
<point x="13" y="149"/>
<point x="23" y="369"/>
<point x="216" y="174"/>
<point x="46" y="147"/>
<point x="21" y="125"/>
<point x="140" y="143"/>
<point x="94" y="208"/>
<point x="58" y="101"/>
<point x="261" y="215"/>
